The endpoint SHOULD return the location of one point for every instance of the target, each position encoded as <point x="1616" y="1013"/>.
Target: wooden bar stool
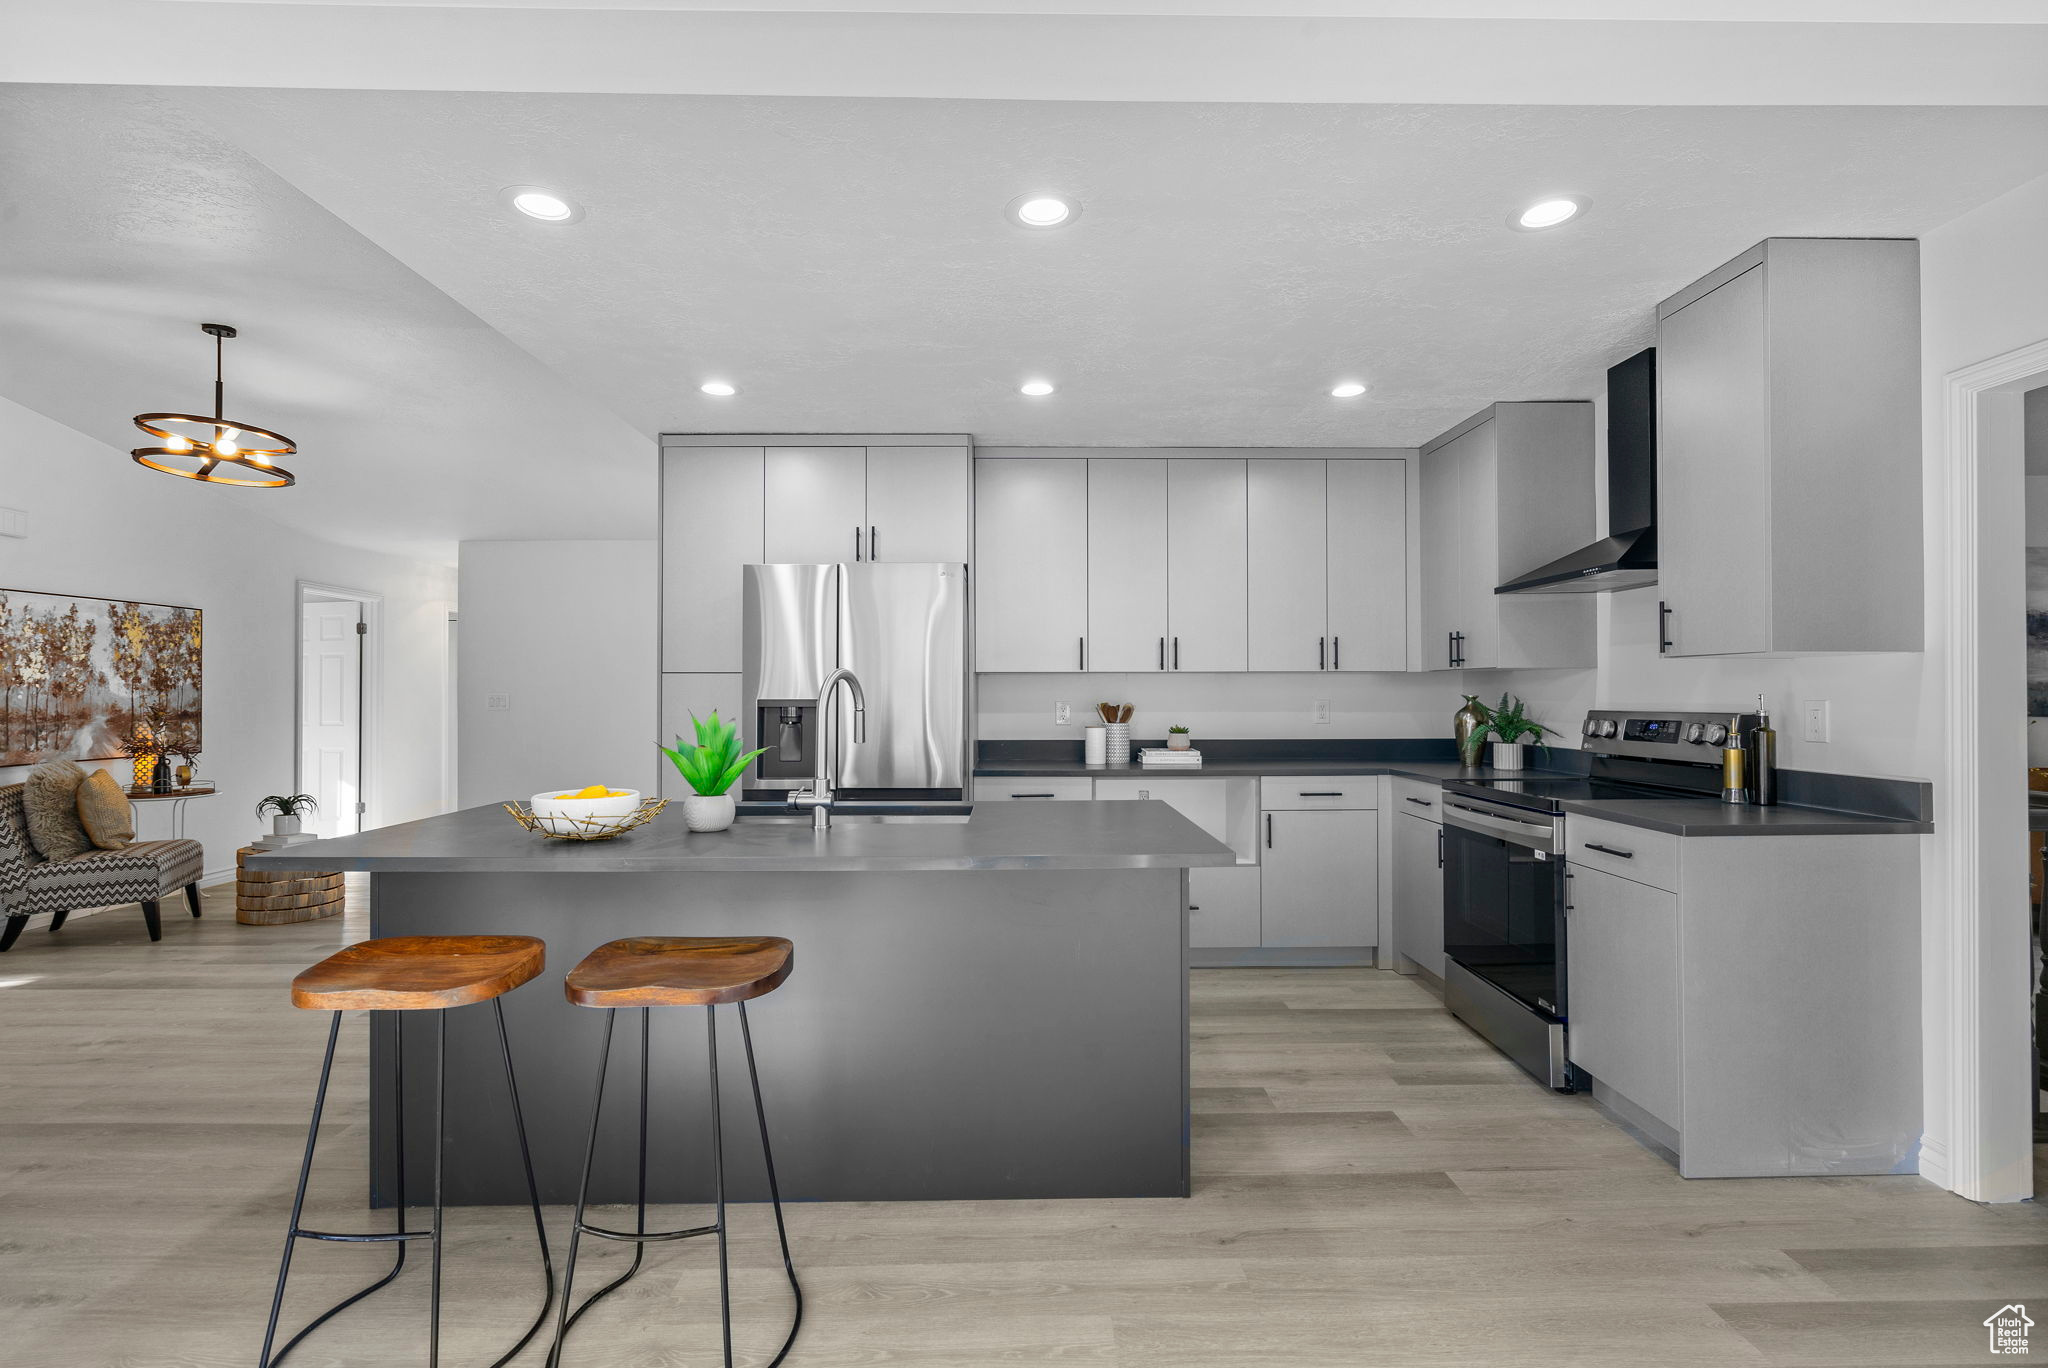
<point x="677" y="971"/>
<point x="402" y="974"/>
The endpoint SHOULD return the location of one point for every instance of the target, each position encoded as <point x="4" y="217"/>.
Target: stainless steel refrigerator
<point x="902" y="629"/>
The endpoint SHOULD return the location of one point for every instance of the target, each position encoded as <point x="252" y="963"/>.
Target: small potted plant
<point x="710" y="768"/>
<point x="1510" y="729"/>
<point x="1177" y="738"/>
<point x="288" y="807"/>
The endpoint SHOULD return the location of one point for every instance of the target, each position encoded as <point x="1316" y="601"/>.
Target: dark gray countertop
<point x="1698" y="817"/>
<point x="485" y="840"/>
<point x="1679" y="816"/>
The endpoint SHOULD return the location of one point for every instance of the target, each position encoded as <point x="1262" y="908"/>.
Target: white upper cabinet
<point x="1031" y="563"/>
<point x="711" y="513"/>
<point x="817" y="504"/>
<point x="1287" y="563"/>
<point x="920" y="507"/>
<point x="1205" y="564"/>
<point x="1368" y="553"/>
<point x="1127" y="565"/>
<point x="1505" y="491"/>
<point x="861" y="503"/>
<point x="1788" y="452"/>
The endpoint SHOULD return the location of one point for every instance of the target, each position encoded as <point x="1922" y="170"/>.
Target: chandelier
<point x="214" y="449"/>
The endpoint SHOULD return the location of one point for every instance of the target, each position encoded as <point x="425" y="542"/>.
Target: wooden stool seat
<point x="679" y="971"/>
<point x="419" y="973"/>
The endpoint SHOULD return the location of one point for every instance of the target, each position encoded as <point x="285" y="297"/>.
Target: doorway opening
<point x="337" y="641"/>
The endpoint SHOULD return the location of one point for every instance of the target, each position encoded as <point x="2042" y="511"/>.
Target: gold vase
<point x="1465" y="724"/>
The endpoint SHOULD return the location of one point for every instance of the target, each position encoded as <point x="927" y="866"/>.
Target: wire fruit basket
<point x="565" y="828"/>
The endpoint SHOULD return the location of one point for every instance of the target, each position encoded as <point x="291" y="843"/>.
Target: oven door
<point x="1504" y="903"/>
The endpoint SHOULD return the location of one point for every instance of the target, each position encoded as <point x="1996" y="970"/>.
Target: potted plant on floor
<point x="289" y="807"/>
<point x="710" y="768"/>
<point x="1510" y="728"/>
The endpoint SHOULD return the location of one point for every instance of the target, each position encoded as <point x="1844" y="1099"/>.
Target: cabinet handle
<point x="1439" y="847"/>
<point x="1269" y="831"/>
<point x="1610" y="850"/>
<point x="1176" y="653"/>
<point x="1162" y="653"/>
<point x="1033" y="795"/>
<point x="1194" y="907"/>
<point x="1321" y="643"/>
<point x="1334" y="793"/>
<point x="1422" y="802"/>
<point x="1081" y="653"/>
<point x="1459" y="637"/>
<point x="856" y="543"/>
<point x="1663" y="627"/>
<point x="1336" y="653"/>
<point x="871" y="543"/>
<point x="1451" y="649"/>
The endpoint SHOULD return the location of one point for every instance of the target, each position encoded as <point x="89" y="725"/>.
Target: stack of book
<point x="1151" y="758"/>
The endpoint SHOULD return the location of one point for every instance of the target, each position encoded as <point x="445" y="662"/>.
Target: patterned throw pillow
<point x="51" y="799"/>
<point x="105" y="812"/>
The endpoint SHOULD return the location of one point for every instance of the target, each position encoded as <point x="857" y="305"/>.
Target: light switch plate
<point x="1816" y="719"/>
<point x="1062" y="714"/>
<point x="13" y="522"/>
<point x="1322" y="712"/>
<point x="497" y="702"/>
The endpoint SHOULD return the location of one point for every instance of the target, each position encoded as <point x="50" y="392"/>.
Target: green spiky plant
<point x="1176" y="731"/>
<point x="1507" y="723"/>
<point x="714" y="764"/>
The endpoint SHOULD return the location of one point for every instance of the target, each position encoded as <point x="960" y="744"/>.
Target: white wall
<point x="100" y="525"/>
<point x="567" y="630"/>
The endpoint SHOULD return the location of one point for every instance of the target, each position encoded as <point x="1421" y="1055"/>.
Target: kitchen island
<point x="982" y="1005"/>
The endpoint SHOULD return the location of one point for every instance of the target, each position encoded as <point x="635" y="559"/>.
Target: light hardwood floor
<point x="1375" y="1186"/>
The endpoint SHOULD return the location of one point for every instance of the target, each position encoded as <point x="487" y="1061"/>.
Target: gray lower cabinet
<point x="1223" y="907"/>
<point x="1623" y="946"/>
<point x="1418" y="854"/>
<point x="1320" y="881"/>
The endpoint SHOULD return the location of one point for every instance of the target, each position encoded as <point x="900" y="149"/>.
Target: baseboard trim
<point x="1281" y="957"/>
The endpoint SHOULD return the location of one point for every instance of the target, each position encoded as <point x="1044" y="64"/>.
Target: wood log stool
<point x="403" y="975"/>
<point x="647" y="972"/>
<point x="273" y="897"/>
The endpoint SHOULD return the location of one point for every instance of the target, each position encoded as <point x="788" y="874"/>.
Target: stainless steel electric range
<point x="1507" y="938"/>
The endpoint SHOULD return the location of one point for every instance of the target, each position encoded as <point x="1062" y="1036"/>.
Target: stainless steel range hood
<point x="1626" y="559"/>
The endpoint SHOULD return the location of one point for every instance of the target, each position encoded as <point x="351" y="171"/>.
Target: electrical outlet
<point x="497" y="702"/>
<point x="1062" y="714"/>
<point x="1816" y="728"/>
<point x="1322" y="712"/>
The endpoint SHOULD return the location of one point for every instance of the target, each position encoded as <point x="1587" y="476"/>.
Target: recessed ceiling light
<point x="1548" y="212"/>
<point x="719" y="388"/>
<point x="1042" y="211"/>
<point x="545" y="205"/>
<point x="1036" y="388"/>
<point x="1350" y="389"/>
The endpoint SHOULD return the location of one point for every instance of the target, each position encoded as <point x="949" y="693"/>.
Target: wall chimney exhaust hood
<point x="1627" y="559"/>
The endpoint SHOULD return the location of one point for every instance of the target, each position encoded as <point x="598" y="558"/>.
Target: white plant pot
<point x="708" y="811"/>
<point x="281" y="825"/>
<point x="1179" y="741"/>
<point x="1509" y="755"/>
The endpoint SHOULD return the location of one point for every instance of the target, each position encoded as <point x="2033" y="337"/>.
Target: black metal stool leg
<point x="291" y="1239"/>
<point x="718" y="1183"/>
<point x="774" y="1192"/>
<point x="540" y="1229"/>
<point x="563" y="1318"/>
<point x="440" y="1145"/>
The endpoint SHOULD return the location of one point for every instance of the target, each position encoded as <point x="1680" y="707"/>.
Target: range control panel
<point x="1695" y="736"/>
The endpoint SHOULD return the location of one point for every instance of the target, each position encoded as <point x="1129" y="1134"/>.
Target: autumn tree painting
<point x="77" y="673"/>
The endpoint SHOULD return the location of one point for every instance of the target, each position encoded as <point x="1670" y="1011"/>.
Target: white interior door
<point x="331" y="714"/>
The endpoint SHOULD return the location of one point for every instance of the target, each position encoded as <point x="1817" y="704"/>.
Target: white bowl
<point x="561" y="815"/>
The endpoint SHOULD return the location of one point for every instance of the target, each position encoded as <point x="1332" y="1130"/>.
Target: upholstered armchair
<point x="146" y="872"/>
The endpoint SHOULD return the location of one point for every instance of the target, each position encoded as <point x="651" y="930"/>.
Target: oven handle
<point x="1536" y="835"/>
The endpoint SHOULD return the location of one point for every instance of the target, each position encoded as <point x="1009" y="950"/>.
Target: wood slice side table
<point x="267" y="898"/>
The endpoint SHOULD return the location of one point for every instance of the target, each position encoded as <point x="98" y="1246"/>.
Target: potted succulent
<point x="1177" y="738"/>
<point x="289" y="807"/>
<point x="710" y="768"/>
<point x="1510" y="728"/>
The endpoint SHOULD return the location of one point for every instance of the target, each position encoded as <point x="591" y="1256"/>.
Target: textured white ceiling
<point x="845" y="262"/>
<point x="125" y="226"/>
